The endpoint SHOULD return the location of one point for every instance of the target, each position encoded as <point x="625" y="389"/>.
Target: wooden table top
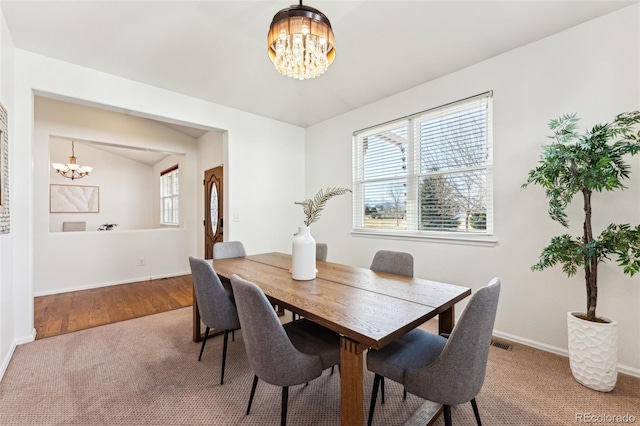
<point x="369" y="307"/>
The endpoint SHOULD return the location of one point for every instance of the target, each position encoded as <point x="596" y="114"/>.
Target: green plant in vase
<point x="577" y="164"/>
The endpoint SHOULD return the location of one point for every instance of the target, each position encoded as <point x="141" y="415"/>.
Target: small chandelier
<point x="300" y="42"/>
<point x="72" y="170"/>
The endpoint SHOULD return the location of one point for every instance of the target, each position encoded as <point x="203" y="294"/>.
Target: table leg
<point x="446" y="320"/>
<point x="351" y="382"/>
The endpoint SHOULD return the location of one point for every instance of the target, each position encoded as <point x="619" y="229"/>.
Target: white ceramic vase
<point x="303" y="262"/>
<point x="593" y="352"/>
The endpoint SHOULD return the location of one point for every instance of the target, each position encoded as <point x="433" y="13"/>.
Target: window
<point x="170" y="196"/>
<point x="426" y="175"/>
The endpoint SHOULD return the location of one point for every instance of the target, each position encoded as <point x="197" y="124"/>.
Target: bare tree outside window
<point x="456" y="147"/>
<point x="426" y="173"/>
<point x="398" y="196"/>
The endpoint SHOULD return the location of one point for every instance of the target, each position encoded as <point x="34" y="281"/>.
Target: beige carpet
<point x="145" y="372"/>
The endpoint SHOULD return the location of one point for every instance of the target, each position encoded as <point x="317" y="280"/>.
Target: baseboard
<point x="14" y="345"/>
<point x="5" y="361"/>
<point x="107" y="284"/>
<point x="558" y="351"/>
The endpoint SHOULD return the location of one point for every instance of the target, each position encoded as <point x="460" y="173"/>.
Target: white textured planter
<point x="593" y="352"/>
<point x="303" y="255"/>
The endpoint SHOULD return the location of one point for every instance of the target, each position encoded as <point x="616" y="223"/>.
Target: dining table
<point x="368" y="309"/>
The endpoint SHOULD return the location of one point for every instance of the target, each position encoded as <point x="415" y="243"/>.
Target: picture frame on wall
<point x="4" y="172"/>
<point x="74" y="199"/>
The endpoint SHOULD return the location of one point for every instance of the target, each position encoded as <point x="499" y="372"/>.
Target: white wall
<point x="592" y="69"/>
<point x="95" y="258"/>
<point x="8" y="313"/>
<point x="264" y="166"/>
<point x="125" y="187"/>
<point x="129" y="190"/>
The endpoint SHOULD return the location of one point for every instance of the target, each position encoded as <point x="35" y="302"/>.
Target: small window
<point x="426" y="175"/>
<point x="170" y="196"/>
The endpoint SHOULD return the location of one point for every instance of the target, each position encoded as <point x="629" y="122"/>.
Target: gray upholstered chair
<point x="216" y="308"/>
<point x="321" y="251"/>
<point x="281" y="355"/>
<point x="225" y="250"/>
<point x="448" y="371"/>
<point x="228" y="249"/>
<point x="74" y="226"/>
<point x="321" y="254"/>
<point x="393" y="262"/>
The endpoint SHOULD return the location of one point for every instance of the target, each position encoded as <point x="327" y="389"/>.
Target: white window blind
<point x="170" y="196"/>
<point x="426" y="174"/>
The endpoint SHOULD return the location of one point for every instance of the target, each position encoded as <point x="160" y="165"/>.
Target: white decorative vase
<point x="593" y="352"/>
<point x="303" y="262"/>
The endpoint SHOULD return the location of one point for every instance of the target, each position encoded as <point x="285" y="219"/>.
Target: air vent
<point x="501" y="345"/>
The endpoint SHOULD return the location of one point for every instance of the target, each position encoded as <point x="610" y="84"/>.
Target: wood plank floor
<point x="77" y="310"/>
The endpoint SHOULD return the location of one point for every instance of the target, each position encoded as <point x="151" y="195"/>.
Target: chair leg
<point x="293" y="316"/>
<point x="224" y="355"/>
<point x="475" y="411"/>
<point x="204" y="342"/>
<point x="447" y="415"/>
<point x="253" y="392"/>
<point x="233" y="335"/>
<point x="404" y="394"/>
<point x="285" y="399"/>
<point x="374" y="396"/>
<point x="332" y="369"/>
<point x="382" y="387"/>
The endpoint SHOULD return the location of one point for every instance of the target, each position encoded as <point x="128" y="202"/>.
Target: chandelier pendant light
<point x="72" y="170"/>
<point x="300" y="42"/>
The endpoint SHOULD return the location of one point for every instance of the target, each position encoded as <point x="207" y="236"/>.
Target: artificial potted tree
<point x="584" y="163"/>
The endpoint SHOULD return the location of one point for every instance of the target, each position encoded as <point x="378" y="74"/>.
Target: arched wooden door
<point x="213" y="210"/>
<point x="213" y="232"/>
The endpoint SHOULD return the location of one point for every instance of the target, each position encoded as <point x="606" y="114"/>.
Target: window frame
<point x="414" y="175"/>
<point x="173" y="197"/>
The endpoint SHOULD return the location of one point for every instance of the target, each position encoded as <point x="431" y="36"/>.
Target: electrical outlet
<point x="141" y="262"/>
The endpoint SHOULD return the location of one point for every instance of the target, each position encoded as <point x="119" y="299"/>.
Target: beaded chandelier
<point x="300" y="42"/>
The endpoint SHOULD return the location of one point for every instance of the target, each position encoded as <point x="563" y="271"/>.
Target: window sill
<point x="470" y="240"/>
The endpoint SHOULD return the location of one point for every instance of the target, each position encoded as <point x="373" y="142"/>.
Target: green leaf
<point x="583" y="163"/>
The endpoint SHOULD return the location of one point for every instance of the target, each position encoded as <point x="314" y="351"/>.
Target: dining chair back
<point x="393" y="262"/>
<point x="74" y="226"/>
<point x="286" y="355"/>
<point x="321" y="251"/>
<point x="214" y="305"/>
<point x="446" y="370"/>
<point x="224" y="250"/>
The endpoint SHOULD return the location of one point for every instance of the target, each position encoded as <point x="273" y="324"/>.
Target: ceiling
<point x="216" y="50"/>
<point x="148" y="157"/>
